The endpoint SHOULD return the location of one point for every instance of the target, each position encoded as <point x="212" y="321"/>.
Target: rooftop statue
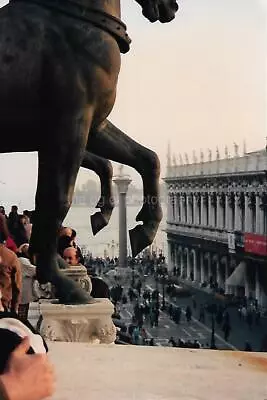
<point x="59" y="68"/>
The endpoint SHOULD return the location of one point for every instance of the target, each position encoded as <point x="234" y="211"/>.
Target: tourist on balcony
<point x="10" y="278"/>
<point x="28" y="278"/>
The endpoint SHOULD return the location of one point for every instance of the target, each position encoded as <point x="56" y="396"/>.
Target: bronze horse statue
<point x="59" y="66"/>
<point x="103" y="168"/>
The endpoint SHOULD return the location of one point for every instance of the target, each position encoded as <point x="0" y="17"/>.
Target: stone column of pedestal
<point x="122" y="182"/>
<point x="238" y="222"/>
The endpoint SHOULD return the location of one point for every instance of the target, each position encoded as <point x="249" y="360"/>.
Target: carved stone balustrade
<point x="86" y="323"/>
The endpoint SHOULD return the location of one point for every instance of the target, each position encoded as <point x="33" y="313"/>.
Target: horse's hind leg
<point x="58" y="167"/>
<point x="103" y="168"/>
<point x="109" y="142"/>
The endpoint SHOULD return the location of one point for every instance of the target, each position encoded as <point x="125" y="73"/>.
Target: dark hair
<point x="73" y="234"/>
<point x="63" y="243"/>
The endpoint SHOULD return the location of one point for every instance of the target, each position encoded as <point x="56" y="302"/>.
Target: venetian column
<point x="211" y="210"/>
<point x="169" y="206"/>
<point x="238" y="223"/>
<point x="182" y="218"/>
<point x="186" y="251"/>
<point x="189" y="210"/>
<point x="122" y="181"/>
<point x="259" y="215"/>
<point x="219" y="211"/>
<point x="226" y="212"/>
<point x="195" y="264"/>
<point x="203" y="210"/>
<point x="202" y="277"/>
<point x="248" y="222"/>
<point x="196" y="213"/>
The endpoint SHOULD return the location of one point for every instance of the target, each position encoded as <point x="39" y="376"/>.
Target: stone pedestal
<point x="86" y="323"/>
<point x="79" y="274"/>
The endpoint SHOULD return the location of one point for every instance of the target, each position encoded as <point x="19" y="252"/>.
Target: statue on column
<point x="209" y="155"/>
<point x="236" y="150"/>
<point x="58" y="89"/>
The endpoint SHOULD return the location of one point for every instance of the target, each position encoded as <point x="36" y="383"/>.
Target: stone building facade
<point x="217" y="222"/>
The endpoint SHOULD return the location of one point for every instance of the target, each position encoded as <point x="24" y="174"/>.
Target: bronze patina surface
<point x="58" y="79"/>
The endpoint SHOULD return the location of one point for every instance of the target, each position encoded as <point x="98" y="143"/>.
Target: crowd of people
<point x="27" y="376"/>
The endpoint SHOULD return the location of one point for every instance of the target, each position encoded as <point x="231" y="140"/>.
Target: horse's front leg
<point x="103" y="168"/>
<point x="58" y="168"/>
<point x="109" y="142"/>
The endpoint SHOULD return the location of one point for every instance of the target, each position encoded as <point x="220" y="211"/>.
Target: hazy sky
<point x="198" y="82"/>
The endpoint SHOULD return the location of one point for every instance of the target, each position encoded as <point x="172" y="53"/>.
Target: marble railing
<point x="156" y="373"/>
<point x="198" y="231"/>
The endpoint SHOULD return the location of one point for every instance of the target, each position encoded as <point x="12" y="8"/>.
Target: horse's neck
<point x="111" y="7"/>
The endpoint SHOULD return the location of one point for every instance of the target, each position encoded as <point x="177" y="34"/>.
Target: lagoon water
<point x="79" y="219"/>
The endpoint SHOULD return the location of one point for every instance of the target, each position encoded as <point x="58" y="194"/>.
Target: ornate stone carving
<point x="90" y="323"/>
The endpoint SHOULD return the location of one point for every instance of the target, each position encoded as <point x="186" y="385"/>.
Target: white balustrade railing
<point x="198" y="231"/>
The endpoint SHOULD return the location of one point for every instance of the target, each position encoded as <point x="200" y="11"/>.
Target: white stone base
<point x="87" y="323"/>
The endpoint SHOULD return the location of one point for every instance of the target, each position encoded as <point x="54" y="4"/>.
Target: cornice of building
<point x="254" y="163"/>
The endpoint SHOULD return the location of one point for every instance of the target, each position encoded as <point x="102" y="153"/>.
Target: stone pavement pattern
<point x="156" y="373"/>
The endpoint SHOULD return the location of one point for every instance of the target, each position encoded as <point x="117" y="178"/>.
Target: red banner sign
<point x="256" y="244"/>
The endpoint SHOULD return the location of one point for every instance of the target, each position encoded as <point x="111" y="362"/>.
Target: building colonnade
<point x="205" y="267"/>
<point x="230" y="211"/>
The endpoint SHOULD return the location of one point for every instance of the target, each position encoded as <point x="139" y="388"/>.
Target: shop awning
<point x="237" y="278"/>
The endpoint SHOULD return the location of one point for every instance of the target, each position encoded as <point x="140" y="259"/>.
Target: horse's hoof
<point x="142" y="236"/>
<point x="98" y="222"/>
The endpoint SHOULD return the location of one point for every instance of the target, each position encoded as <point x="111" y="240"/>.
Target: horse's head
<point x="159" y="10"/>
